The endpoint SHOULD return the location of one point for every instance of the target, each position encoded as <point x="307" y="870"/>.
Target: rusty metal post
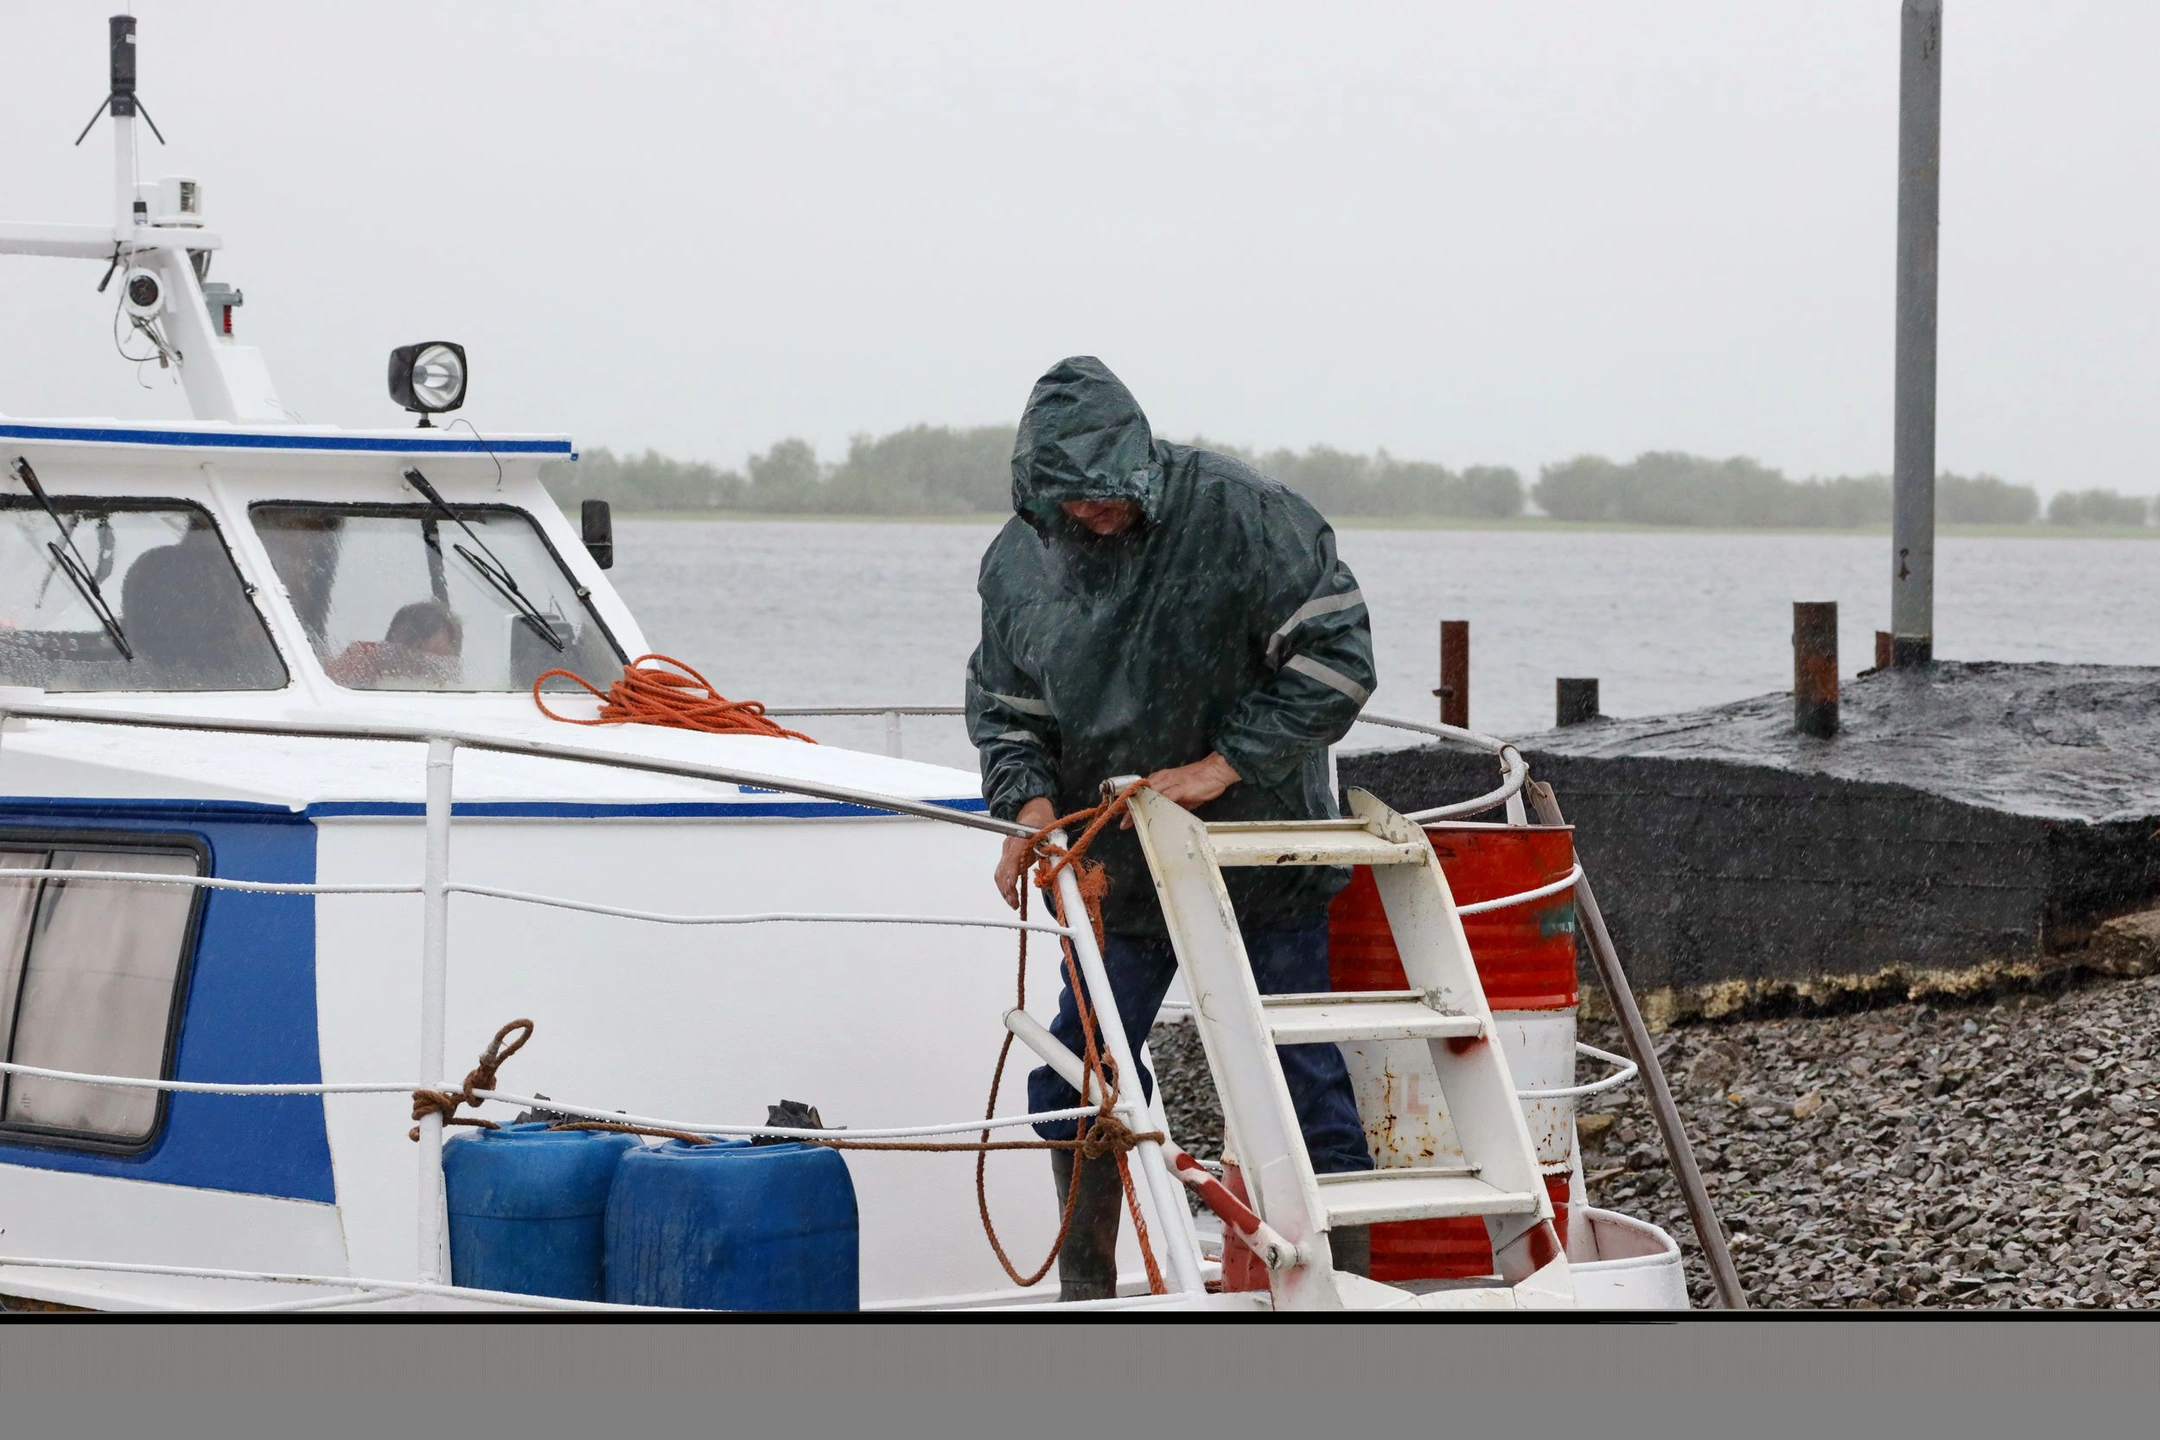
<point x="1635" y="1035"/>
<point x="1454" y="691"/>
<point x="1814" y="667"/>
<point x="1574" y="701"/>
<point x="1882" y="649"/>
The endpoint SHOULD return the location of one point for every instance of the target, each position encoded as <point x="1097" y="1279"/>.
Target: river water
<point x="798" y="613"/>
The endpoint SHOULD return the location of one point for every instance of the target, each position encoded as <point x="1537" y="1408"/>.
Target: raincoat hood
<point x="1083" y="437"/>
<point x="1223" y="623"/>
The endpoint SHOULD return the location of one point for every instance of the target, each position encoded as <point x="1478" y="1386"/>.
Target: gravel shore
<point x="1998" y="1154"/>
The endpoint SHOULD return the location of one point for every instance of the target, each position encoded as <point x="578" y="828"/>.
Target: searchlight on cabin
<point x="428" y="378"/>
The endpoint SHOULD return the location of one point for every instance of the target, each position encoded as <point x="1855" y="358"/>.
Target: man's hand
<point x="1035" y="814"/>
<point x="1191" y="785"/>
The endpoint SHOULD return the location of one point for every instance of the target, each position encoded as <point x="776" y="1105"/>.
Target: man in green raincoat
<point x="1152" y="609"/>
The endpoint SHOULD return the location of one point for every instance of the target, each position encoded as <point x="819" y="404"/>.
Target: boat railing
<point x="1180" y="1241"/>
<point x="1513" y="770"/>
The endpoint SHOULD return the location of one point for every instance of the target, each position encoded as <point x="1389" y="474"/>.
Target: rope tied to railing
<point x="481" y="1077"/>
<point x="649" y="695"/>
<point x="1102" y="1133"/>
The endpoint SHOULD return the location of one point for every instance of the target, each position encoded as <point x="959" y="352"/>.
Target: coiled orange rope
<point x="648" y="695"/>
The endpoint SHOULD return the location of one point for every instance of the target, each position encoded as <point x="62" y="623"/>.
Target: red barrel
<point x="1525" y="954"/>
<point x="1525" y="957"/>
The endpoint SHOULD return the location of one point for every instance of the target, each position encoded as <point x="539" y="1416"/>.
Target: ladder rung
<point x="1312" y="844"/>
<point x="1231" y="827"/>
<point x="1362" y="1015"/>
<point x="1370" y="1197"/>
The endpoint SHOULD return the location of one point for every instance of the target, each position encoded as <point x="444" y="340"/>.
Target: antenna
<point x="123" y="100"/>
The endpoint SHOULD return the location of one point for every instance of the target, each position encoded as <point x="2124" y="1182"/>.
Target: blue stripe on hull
<point x="248" y="1016"/>
<point x="417" y="444"/>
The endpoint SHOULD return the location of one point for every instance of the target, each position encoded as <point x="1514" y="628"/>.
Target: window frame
<point x="248" y="588"/>
<point x="111" y="842"/>
<point x="399" y="510"/>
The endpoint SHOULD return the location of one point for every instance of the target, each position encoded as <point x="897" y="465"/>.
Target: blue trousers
<point x="1292" y="959"/>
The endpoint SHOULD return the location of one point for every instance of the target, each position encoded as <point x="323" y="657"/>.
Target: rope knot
<point x="1107" y="1135"/>
<point x="481" y="1077"/>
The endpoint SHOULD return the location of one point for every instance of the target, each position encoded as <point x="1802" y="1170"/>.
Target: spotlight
<point x="428" y="378"/>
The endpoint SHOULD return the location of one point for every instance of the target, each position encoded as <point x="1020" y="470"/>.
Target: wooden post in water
<point x="1454" y="691"/>
<point x="1814" y="667"/>
<point x="1575" y="701"/>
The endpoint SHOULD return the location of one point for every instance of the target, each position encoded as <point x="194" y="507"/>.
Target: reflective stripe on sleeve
<point x="1020" y="702"/>
<point x="1310" y="610"/>
<point x="1329" y="676"/>
<point x="1027" y="736"/>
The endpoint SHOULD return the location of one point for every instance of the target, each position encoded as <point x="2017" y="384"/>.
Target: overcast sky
<point x="1468" y="233"/>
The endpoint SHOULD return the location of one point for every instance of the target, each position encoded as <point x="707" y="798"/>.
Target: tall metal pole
<point x="1912" y="523"/>
<point x="434" y="973"/>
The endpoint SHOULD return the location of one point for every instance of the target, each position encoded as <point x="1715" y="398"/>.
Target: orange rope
<point x="653" y="696"/>
<point x="1102" y="1133"/>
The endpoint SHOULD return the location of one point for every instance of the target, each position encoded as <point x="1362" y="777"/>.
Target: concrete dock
<point x="1965" y="820"/>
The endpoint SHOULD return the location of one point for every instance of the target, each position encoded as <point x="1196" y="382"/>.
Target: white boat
<point x="341" y="845"/>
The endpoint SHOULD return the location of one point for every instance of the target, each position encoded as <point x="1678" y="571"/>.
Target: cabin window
<point x="176" y="615"/>
<point x="90" y="976"/>
<point x="402" y="598"/>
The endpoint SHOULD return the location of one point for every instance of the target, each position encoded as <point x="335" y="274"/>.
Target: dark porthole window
<point x="91" y="973"/>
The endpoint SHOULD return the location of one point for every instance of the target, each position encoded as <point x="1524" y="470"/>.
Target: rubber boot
<point x="1087" y="1261"/>
<point x="1351" y="1246"/>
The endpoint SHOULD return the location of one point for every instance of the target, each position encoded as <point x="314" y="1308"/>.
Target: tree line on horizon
<point x="946" y="470"/>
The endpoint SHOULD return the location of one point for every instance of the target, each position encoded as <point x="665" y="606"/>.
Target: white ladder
<point x="1499" y="1179"/>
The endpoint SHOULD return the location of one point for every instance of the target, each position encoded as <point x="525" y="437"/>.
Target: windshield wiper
<point x="68" y="558"/>
<point x="491" y="569"/>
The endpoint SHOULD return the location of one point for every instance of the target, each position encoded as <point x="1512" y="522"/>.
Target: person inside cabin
<point x="189" y="621"/>
<point x="1159" y="610"/>
<point x="423" y="642"/>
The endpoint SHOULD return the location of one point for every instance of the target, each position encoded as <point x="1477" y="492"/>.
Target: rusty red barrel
<point x="1525" y="956"/>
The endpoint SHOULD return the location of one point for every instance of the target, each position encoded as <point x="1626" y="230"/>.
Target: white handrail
<point x="774" y="917"/>
<point x="797" y="711"/>
<point x="1512" y="764"/>
<point x="1566" y="882"/>
<point x="218" y="1087"/>
<point x="1625" y="1071"/>
<point x="544" y="749"/>
<point x="1513" y="769"/>
<point x="541" y="1103"/>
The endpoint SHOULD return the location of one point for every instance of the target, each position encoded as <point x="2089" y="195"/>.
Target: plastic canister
<point x="1525" y="958"/>
<point x="734" y="1226"/>
<point x="527" y="1208"/>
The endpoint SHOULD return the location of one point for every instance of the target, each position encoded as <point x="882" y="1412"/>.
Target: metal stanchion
<point x="1636" y="1035"/>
